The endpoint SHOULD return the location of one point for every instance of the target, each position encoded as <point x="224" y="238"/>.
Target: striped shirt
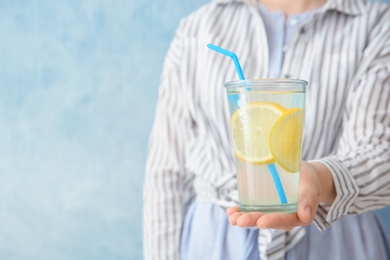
<point x="343" y="51"/>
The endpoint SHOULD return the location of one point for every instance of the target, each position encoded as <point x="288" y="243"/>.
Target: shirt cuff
<point x="347" y="191"/>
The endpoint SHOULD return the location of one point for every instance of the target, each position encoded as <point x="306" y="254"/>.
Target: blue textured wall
<point x="78" y="86"/>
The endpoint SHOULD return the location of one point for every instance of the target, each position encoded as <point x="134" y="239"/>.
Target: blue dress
<point x="341" y="241"/>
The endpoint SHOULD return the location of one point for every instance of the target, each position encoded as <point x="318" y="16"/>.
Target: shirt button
<point x="293" y="22"/>
<point x="285" y="48"/>
<point x="287" y="76"/>
<point x="302" y="31"/>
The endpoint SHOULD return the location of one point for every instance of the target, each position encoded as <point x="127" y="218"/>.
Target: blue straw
<point x="271" y="167"/>
<point x="278" y="183"/>
<point x="231" y="55"/>
<point x="234" y="99"/>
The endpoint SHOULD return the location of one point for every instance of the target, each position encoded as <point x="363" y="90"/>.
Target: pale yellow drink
<point x="267" y="123"/>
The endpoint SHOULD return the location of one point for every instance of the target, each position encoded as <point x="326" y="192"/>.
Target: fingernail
<point x="308" y="212"/>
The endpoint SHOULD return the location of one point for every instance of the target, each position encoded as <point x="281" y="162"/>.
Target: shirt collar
<point x="249" y="2"/>
<point x="350" y="7"/>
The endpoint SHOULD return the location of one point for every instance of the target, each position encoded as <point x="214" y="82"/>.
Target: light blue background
<point x="78" y="86"/>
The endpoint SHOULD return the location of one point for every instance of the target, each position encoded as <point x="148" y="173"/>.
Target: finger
<point x="279" y="220"/>
<point x="249" y="219"/>
<point x="233" y="217"/>
<point x="287" y="228"/>
<point x="308" y="195"/>
<point x="232" y="210"/>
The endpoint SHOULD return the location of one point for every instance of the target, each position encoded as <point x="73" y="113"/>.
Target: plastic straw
<point x="278" y="183"/>
<point x="271" y="167"/>
<point x="231" y="55"/>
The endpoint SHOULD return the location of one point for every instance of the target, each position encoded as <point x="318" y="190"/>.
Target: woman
<point x="342" y="48"/>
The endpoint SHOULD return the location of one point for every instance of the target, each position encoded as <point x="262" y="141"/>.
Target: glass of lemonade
<point x="266" y="125"/>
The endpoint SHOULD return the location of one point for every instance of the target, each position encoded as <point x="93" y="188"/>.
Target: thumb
<point x="308" y="194"/>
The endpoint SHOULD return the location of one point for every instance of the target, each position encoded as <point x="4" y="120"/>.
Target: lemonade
<point x="266" y="125"/>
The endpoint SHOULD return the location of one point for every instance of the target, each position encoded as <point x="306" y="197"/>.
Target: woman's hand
<point x="316" y="185"/>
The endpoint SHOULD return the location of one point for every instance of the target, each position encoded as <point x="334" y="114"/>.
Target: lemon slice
<point x="251" y="126"/>
<point x="286" y="140"/>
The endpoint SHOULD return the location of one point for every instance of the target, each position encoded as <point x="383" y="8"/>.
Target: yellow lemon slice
<point x="251" y="126"/>
<point x="286" y="140"/>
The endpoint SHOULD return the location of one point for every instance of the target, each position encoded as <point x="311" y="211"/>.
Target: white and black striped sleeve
<point x="167" y="187"/>
<point x="361" y="166"/>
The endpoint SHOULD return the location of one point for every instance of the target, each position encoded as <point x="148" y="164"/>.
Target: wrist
<point x="328" y="191"/>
